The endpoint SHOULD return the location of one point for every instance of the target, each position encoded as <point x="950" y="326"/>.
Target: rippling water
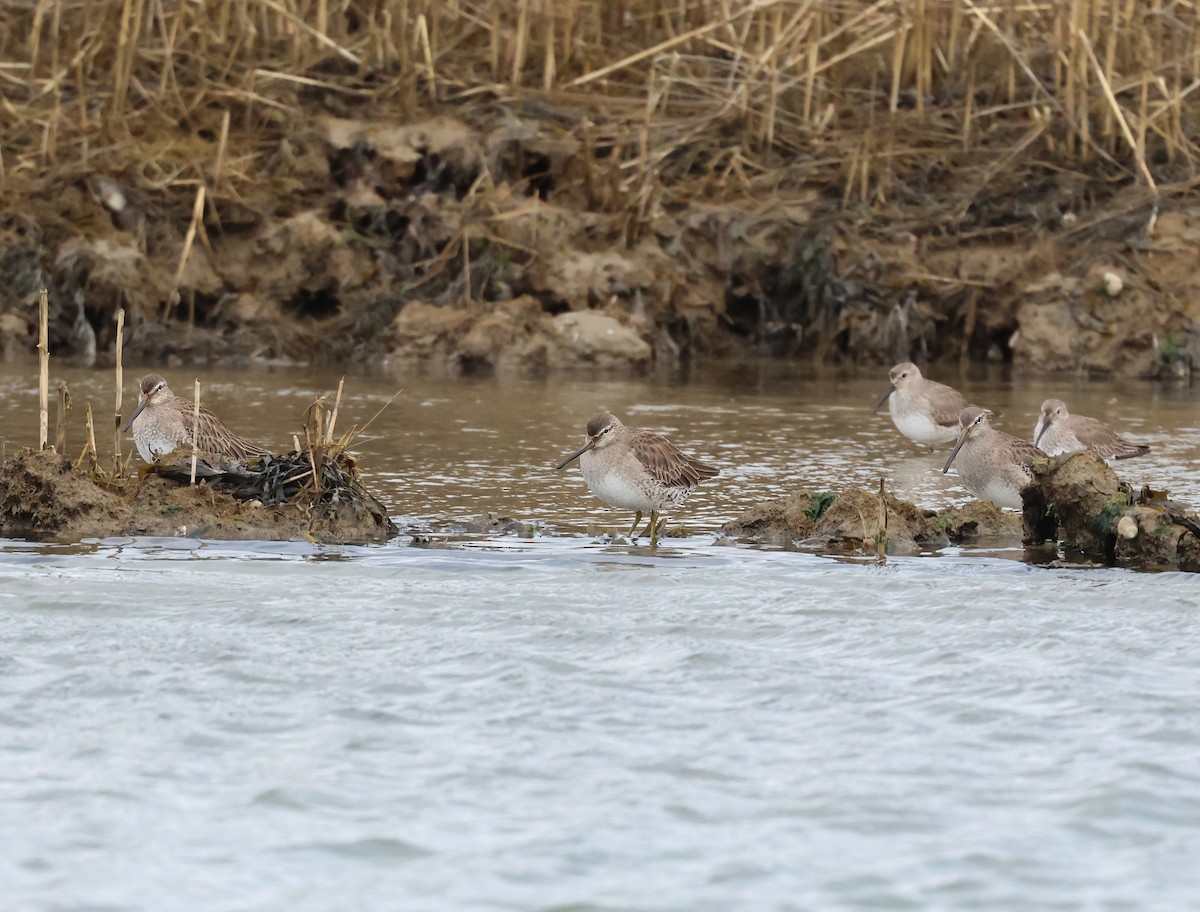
<point x="556" y="722"/>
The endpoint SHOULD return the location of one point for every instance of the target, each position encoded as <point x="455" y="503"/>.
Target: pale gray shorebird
<point x="993" y="465"/>
<point x="923" y="410"/>
<point x="1058" y="432"/>
<point x="636" y="470"/>
<point x="162" y="422"/>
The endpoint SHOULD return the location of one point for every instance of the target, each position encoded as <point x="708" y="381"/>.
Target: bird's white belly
<point x="615" y="488"/>
<point x="1054" y="443"/>
<point x="918" y="426"/>
<point x="1001" y="493"/>
<point x="154" y="445"/>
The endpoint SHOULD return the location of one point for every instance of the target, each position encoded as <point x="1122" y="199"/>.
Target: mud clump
<point x="854" y="520"/>
<point x="979" y="520"/>
<point x="1080" y="501"/>
<point x="43" y="495"/>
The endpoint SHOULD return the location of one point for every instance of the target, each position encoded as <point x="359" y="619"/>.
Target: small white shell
<point x="1127" y="527"/>
<point x="1113" y="285"/>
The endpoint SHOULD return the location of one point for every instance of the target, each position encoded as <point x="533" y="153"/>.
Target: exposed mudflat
<point x="42" y="495"/>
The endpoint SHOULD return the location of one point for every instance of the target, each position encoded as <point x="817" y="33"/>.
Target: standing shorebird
<point x="162" y="422"/>
<point x="1058" y="432"/>
<point x="993" y="465"/>
<point x="924" y="411"/>
<point x="636" y="470"/>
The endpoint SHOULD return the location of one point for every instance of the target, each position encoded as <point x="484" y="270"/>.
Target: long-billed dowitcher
<point x="993" y="465"/>
<point x="638" y="470"/>
<point x="1058" y="431"/>
<point x="923" y="410"/>
<point x="162" y="422"/>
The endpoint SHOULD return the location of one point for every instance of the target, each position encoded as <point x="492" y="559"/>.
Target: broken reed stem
<point x="881" y="533"/>
<point x="120" y="345"/>
<point x="222" y="142"/>
<point x="337" y="404"/>
<point x="1138" y="149"/>
<point x="89" y="447"/>
<point x="188" y="240"/>
<point x="60" y="420"/>
<point x="195" y="429"/>
<point x="315" y="423"/>
<point x="43" y="368"/>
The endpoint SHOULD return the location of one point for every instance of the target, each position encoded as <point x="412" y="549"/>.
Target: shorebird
<point x="636" y="470"/>
<point x="162" y="422"/>
<point x="924" y="411"/>
<point x="1058" y="431"/>
<point x="993" y="465"/>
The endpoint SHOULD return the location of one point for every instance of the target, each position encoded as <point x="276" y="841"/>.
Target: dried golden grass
<point x="193" y="97"/>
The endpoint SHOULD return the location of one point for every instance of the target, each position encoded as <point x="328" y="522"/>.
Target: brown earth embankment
<point x="522" y="187"/>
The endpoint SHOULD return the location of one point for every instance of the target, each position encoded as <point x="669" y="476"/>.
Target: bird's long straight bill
<point x="579" y="452"/>
<point x="137" y="411"/>
<point x="884" y="398"/>
<point x="1037" y="441"/>
<point x="962" y="437"/>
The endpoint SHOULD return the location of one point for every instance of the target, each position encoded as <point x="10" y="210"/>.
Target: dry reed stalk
<point x="656" y="49"/>
<point x="119" y="369"/>
<point x="301" y="26"/>
<point x="43" y="368"/>
<point x="60" y="419"/>
<point x="968" y="105"/>
<point x="222" y="142"/>
<point x="1137" y="146"/>
<point x="188" y="239"/>
<point x="426" y="50"/>
<point x="195" y="429"/>
<point x="881" y="524"/>
<point x="1110" y="53"/>
<point x="549" y="65"/>
<point x="519" y="50"/>
<point x="337" y="404"/>
<point x="89" y="446"/>
<point x="897" y="69"/>
<point x="1071" y="94"/>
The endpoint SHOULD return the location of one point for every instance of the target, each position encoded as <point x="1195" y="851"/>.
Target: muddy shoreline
<point x="43" y="495"/>
<point x="536" y="189"/>
<point x="481" y="238"/>
<point x="1074" y="502"/>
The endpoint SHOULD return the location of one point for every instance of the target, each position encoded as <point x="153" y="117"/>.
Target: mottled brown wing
<point x="1025" y="451"/>
<point x="947" y="403"/>
<point x="214" y="437"/>
<point x="1101" y="440"/>
<point x="668" y="464"/>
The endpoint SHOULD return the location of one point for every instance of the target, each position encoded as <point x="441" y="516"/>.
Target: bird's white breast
<point x="616" y="488"/>
<point x="915" y="421"/>
<point x="1058" y="440"/>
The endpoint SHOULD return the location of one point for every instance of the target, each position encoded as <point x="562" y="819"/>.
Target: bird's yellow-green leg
<point x="649" y="526"/>
<point x="654" y="527"/>
<point x="637" y="519"/>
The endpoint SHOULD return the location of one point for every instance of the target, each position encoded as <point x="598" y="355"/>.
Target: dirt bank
<point x="43" y="496"/>
<point x="530" y="193"/>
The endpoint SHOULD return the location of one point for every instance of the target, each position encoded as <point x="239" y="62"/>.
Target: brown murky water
<point x="558" y="721"/>
<point x="451" y="449"/>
